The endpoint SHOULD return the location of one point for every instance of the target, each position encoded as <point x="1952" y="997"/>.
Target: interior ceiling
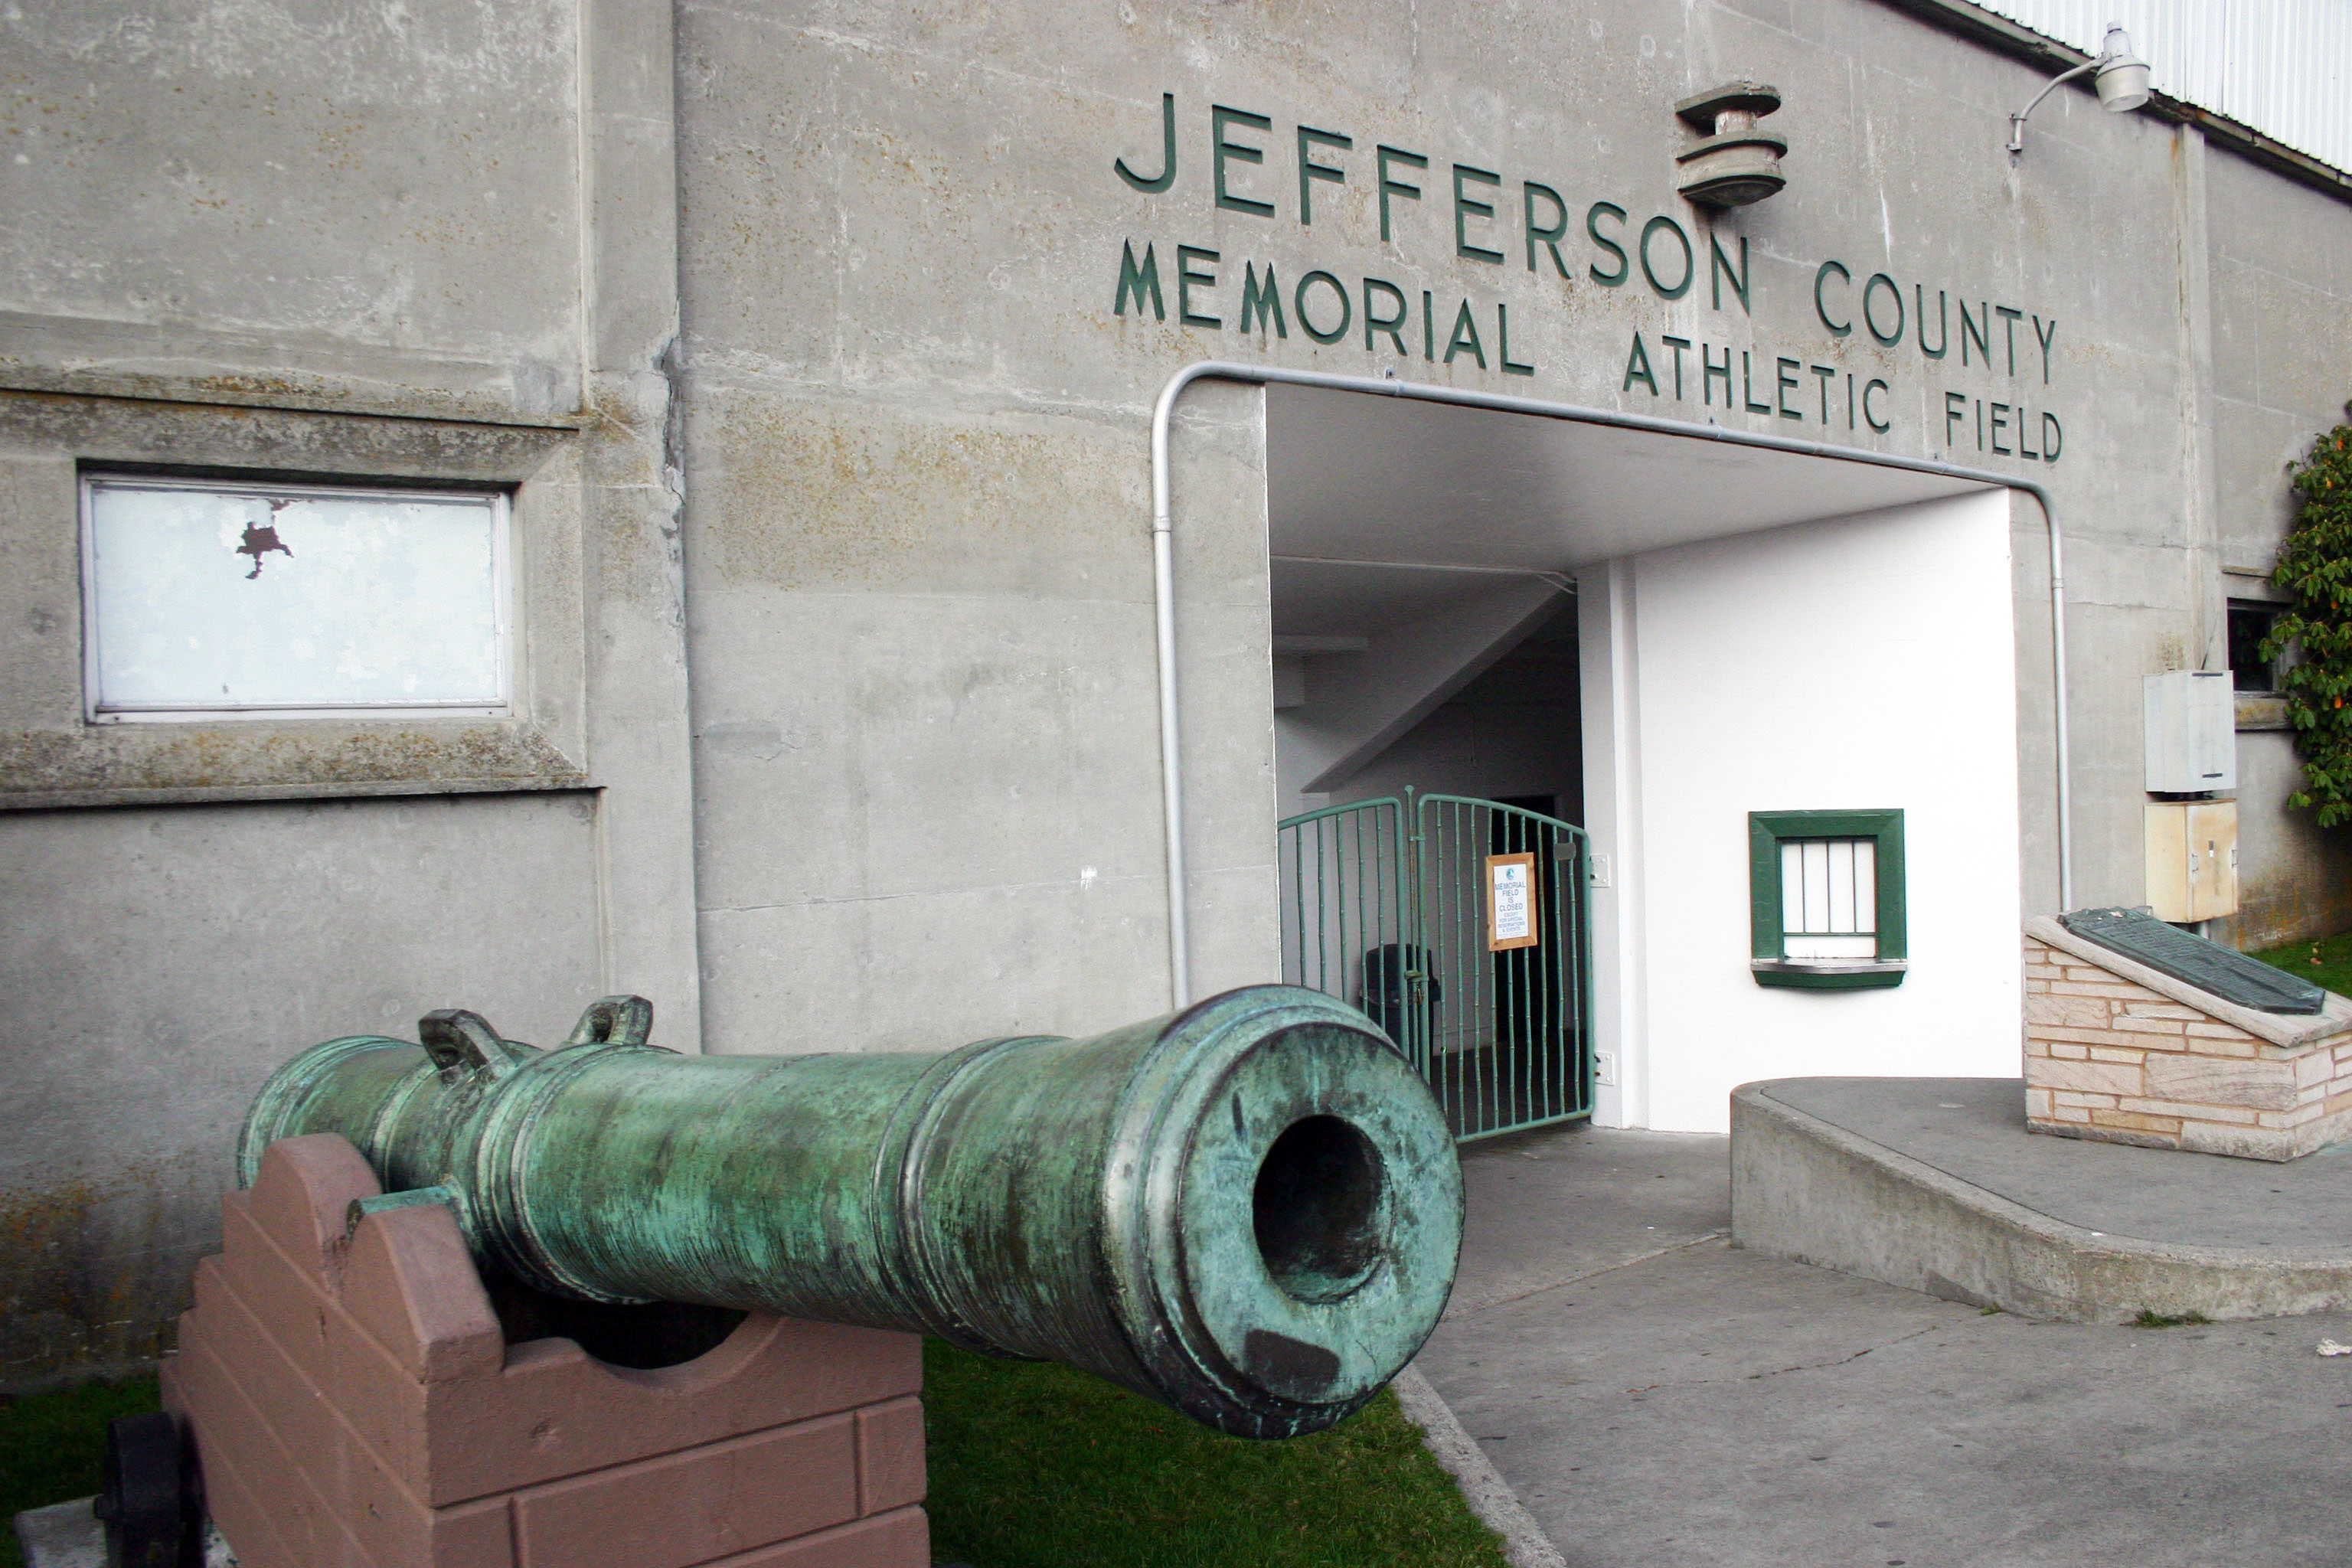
<point x="1359" y="477"/>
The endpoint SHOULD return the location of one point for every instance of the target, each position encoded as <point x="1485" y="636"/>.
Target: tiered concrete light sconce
<point x="1733" y="164"/>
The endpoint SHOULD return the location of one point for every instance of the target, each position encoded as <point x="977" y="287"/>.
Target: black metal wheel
<point x="144" y="1502"/>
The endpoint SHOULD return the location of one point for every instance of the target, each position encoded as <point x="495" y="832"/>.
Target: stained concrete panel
<point x="280" y="189"/>
<point x="2294" y="877"/>
<point x="162" y="963"/>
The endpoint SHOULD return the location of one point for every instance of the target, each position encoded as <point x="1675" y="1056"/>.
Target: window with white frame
<point x="206" y="599"/>
<point x="1826" y="899"/>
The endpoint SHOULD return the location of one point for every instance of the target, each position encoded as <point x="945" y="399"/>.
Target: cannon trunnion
<point x="1251" y="1209"/>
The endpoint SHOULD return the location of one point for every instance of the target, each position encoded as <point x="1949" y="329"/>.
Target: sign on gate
<point x="1510" y="902"/>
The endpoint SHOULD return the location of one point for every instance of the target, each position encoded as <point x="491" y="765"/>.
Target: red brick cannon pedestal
<point x="354" y="1404"/>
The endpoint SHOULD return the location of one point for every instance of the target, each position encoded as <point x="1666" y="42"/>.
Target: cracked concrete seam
<point x="1811" y="1365"/>
<point x="1484" y="1304"/>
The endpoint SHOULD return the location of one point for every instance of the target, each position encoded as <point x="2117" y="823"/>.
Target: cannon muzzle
<point x="1250" y="1209"/>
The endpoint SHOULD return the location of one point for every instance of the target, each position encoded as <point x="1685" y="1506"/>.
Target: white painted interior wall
<point x="1865" y="661"/>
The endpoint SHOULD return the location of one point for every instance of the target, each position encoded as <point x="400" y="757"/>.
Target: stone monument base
<point x="355" y="1403"/>
<point x="2122" y="1053"/>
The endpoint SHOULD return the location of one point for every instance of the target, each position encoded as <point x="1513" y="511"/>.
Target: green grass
<point x="51" y="1446"/>
<point x="1039" y="1466"/>
<point x="1031" y="1467"/>
<point x="2150" y="1318"/>
<point x="2333" y="970"/>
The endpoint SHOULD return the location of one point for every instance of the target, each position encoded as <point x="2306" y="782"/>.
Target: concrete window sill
<point x="2261" y="710"/>
<point x="168" y="764"/>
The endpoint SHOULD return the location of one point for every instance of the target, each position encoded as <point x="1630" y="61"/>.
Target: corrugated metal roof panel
<point x="2282" y="66"/>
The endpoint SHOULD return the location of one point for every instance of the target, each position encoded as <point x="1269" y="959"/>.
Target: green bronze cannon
<point x="1250" y="1209"/>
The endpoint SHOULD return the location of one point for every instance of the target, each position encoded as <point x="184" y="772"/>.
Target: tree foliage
<point x="2316" y="565"/>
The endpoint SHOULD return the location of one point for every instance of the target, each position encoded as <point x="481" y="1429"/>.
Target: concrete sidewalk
<point x="1658" y="1398"/>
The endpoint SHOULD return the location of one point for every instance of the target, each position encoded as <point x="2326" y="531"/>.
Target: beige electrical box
<point x="2192" y="858"/>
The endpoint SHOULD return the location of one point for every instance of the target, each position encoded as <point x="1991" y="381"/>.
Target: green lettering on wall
<point x="1347" y="307"/>
<point x="1956" y="408"/>
<point x="1978" y="332"/>
<point x="2047" y="339"/>
<point x="1548" y="235"/>
<point x="1592" y="227"/>
<point x="1167" y="175"/>
<point x="1678" y="346"/>
<point x="1185" y="277"/>
<point x="1221" y="120"/>
<point x="1868" y="417"/>
<point x="1136" y="282"/>
<point x="1261" y="304"/>
<point x="1389" y="186"/>
<point x="1392" y="325"/>
<point x="2053" y="436"/>
<point x="1466" y="337"/>
<point x="1783" y="365"/>
<point x="1637" y="368"/>
<point x="1824" y="373"/>
<point x="1311" y="171"/>
<point x="1708" y="370"/>
<point x="1503" y="343"/>
<point x="1943" y="323"/>
<point x="1820" y="306"/>
<point x="1870" y="319"/>
<point x="2009" y="319"/>
<point x="1718" y="267"/>
<point x="1466" y="206"/>
<point x="1650" y="230"/>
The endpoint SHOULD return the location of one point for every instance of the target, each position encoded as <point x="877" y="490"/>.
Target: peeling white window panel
<point x="218" y="601"/>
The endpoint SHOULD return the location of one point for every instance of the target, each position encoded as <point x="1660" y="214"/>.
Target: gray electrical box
<point x="2192" y="731"/>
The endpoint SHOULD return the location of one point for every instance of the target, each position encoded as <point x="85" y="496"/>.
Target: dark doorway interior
<point x="1514" y="733"/>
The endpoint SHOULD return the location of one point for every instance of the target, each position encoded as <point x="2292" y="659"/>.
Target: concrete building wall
<point x="2281" y="317"/>
<point x="427" y="245"/>
<point x="165" y="958"/>
<point x="909" y="381"/>
<point x="794" y="332"/>
<point x="918" y="580"/>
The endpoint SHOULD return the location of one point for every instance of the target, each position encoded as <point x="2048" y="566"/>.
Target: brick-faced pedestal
<point x="2123" y="1053"/>
<point x="354" y="1404"/>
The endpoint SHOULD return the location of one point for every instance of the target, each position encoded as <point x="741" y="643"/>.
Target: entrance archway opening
<point x="1513" y="610"/>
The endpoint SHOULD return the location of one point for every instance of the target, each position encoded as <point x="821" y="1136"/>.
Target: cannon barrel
<point x="1251" y="1209"/>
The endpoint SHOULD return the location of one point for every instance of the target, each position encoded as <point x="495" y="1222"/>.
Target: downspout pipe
<point x="1163" y="574"/>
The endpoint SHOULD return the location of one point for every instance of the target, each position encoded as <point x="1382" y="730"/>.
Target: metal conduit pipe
<point x="1163" y="574"/>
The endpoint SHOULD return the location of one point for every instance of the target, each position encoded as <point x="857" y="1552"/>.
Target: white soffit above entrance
<point x="1356" y="477"/>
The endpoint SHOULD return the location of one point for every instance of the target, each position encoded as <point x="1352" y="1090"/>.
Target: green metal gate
<point x="1393" y="905"/>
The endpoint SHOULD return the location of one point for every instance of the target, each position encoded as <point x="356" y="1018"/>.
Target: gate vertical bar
<point x="1387" y="910"/>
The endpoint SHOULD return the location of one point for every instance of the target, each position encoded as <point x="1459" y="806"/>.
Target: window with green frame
<point x="1825" y="898"/>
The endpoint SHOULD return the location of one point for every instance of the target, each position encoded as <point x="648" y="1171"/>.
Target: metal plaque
<point x="2207" y="965"/>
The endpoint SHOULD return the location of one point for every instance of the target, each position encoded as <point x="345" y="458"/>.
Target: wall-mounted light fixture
<point x="2121" y="81"/>
<point x="1734" y="163"/>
